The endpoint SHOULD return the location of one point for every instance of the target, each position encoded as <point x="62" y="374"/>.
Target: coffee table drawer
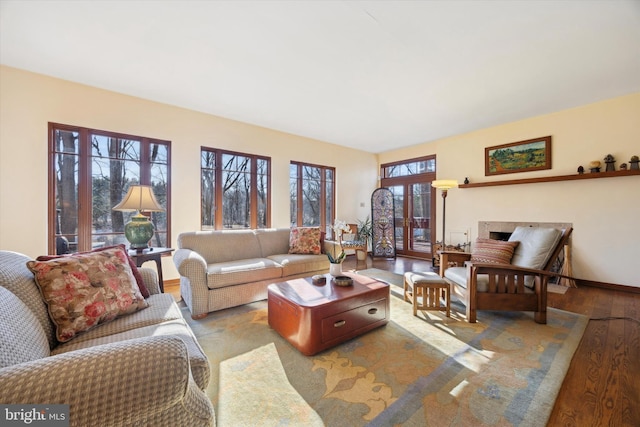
<point x="338" y="325"/>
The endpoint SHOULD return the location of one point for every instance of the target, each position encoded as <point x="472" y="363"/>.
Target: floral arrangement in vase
<point x="340" y="227"/>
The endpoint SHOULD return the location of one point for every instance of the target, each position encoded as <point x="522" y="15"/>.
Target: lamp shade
<point x="444" y="184"/>
<point x="139" y="198"/>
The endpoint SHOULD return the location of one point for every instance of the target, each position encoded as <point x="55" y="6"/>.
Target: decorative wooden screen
<point x="383" y="221"/>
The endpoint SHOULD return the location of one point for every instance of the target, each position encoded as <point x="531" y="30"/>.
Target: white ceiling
<point x="372" y="75"/>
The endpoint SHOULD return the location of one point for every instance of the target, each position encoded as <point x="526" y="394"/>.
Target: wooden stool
<point x="431" y="287"/>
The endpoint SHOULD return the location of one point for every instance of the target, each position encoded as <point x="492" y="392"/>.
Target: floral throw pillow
<point x="139" y="280"/>
<point x="304" y="240"/>
<point x="87" y="289"/>
<point x="493" y="251"/>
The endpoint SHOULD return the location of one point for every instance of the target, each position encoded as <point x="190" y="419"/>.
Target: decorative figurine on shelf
<point x="623" y="167"/>
<point x="609" y="160"/>
<point x="594" y="166"/>
<point x="580" y="170"/>
<point x="634" y="163"/>
<point x="466" y="180"/>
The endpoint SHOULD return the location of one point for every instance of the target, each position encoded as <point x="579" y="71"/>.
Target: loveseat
<point x="226" y="268"/>
<point x="143" y="368"/>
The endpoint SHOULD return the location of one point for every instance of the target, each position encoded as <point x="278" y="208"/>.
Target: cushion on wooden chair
<point x="536" y="247"/>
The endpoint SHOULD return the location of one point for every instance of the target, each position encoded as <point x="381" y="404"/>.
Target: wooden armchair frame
<point x="506" y="284"/>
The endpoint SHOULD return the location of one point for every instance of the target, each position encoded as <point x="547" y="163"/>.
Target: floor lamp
<point x="444" y="185"/>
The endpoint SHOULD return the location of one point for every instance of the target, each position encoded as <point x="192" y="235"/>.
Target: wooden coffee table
<point x="316" y="317"/>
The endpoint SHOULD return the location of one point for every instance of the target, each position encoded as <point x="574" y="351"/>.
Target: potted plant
<point x="365" y="234"/>
<point x="335" y="266"/>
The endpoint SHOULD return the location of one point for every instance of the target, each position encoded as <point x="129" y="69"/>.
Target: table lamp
<point x="139" y="230"/>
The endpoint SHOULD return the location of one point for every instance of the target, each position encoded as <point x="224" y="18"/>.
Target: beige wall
<point x="29" y="101"/>
<point x="605" y="212"/>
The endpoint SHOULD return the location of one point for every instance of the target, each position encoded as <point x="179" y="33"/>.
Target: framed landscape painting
<point x="521" y="156"/>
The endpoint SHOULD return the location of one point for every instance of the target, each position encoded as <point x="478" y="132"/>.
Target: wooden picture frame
<point x="522" y="156"/>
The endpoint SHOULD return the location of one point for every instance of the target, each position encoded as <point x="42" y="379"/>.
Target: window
<point x="409" y="167"/>
<point x="235" y="190"/>
<point x="312" y="196"/>
<point x="90" y="171"/>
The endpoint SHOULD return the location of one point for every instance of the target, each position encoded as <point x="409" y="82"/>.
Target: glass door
<point x="419" y="218"/>
<point x="398" y="192"/>
<point x="414" y="201"/>
<point x="413" y="207"/>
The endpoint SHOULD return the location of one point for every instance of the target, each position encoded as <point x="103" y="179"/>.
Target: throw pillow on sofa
<point x="305" y="240"/>
<point x="134" y="269"/>
<point x="86" y="289"/>
<point x="493" y="251"/>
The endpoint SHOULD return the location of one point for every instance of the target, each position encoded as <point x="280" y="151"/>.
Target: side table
<point x="151" y="254"/>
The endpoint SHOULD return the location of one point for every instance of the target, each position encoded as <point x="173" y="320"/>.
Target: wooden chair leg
<point x="414" y="301"/>
<point x="446" y="295"/>
<point x="471" y="315"/>
<point x="406" y="290"/>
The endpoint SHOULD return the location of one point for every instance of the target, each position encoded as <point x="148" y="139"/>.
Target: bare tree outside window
<point x="312" y="195"/>
<point x="207" y="190"/>
<point x="234" y="190"/>
<point x="262" y="190"/>
<point x="115" y="166"/>
<point x="66" y="159"/>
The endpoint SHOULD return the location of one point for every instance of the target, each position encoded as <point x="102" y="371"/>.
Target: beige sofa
<point x="145" y="368"/>
<point x="227" y="268"/>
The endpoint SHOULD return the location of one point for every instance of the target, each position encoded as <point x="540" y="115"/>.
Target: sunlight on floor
<point x="457" y="390"/>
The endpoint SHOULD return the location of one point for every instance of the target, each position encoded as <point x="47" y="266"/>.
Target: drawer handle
<point x="339" y="323"/>
<point x="372" y="311"/>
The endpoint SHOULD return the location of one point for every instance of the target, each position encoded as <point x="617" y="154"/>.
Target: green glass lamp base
<point x="139" y="231"/>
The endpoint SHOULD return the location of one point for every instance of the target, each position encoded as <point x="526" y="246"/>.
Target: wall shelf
<point x="588" y="175"/>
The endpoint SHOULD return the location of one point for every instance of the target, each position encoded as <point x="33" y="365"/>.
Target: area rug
<point x="249" y="380"/>
<point x="428" y="370"/>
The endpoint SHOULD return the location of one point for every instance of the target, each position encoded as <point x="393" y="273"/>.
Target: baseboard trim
<point x="172" y="282"/>
<point x="609" y="286"/>
<point x="172" y="285"/>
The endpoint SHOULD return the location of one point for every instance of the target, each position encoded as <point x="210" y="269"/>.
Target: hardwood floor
<point x="602" y="386"/>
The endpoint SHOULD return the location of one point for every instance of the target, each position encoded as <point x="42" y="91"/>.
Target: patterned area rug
<point x="416" y="371"/>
